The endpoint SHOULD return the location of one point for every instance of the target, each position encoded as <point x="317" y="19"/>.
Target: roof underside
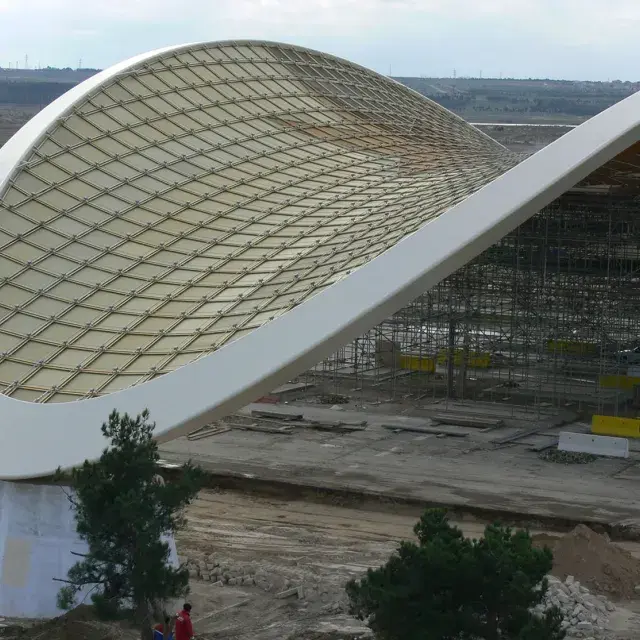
<point x="201" y="194"/>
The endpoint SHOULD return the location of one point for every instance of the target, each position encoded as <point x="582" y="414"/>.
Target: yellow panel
<point x="618" y="382"/>
<point x="572" y="347"/>
<point x="417" y="363"/>
<point x="612" y="426"/>
<point x="475" y="359"/>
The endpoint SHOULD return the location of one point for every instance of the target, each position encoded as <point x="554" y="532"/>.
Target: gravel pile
<point x="566" y="457"/>
<point x="585" y="615"/>
<point x="333" y="398"/>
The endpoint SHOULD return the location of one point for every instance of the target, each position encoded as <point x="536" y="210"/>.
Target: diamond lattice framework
<point x="195" y="225"/>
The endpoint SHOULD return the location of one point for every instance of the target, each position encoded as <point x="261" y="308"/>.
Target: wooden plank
<point x="522" y="433"/>
<point x="430" y="430"/>
<point x="334" y="426"/>
<point x="476" y="422"/>
<point x="279" y="415"/>
<point x="207" y="432"/>
<point x="284" y="430"/>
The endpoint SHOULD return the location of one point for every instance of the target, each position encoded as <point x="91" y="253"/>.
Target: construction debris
<point x="261" y="427"/>
<point x="287" y="593"/>
<point x="566" y="457"/>
<point x="430" y="430"/>
<point x="275" y="425"/>
<point x="585" y="615"/>
<point x="208" y="431"/>
<point x="333" y="398"/>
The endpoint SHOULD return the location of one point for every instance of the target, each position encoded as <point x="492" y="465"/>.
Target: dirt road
<point x="264" y="546"/>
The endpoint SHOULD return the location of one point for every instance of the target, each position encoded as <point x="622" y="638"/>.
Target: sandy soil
<point x="287" y="544"/>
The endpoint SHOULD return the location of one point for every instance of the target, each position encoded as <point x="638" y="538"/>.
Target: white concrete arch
<point x="37" y="437"/>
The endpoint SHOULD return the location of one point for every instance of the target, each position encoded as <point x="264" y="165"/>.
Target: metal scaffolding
<point x="545" y="318"/>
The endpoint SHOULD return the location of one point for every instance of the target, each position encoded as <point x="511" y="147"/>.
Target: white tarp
<point x="596" y="445"/>
<point x="37" y="538"/>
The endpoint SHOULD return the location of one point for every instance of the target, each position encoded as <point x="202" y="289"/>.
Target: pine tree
<point x="448" y="587"/>
<point x="123" y="508"/>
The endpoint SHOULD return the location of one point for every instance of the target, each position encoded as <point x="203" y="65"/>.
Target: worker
<point x="163" y="631"/>
<point x="184" y="628"/>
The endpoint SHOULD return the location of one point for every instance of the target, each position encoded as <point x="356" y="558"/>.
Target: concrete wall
<point x="596" y="445"/>
<point x="37" y="538"/>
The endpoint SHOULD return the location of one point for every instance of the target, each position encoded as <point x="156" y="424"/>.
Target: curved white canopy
<point x="189" y="229"/>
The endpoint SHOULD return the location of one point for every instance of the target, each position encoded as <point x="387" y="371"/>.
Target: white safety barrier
<point x="596" y="445"/>
<point x="37" y="540"/>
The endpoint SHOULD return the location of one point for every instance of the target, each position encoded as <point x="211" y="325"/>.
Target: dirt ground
<point x="277" y="544"/>
<point x="12" y="117"/>
<point x="525" y="139"/>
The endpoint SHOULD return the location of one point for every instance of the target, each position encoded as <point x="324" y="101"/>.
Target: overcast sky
<point x="572" y="39"/>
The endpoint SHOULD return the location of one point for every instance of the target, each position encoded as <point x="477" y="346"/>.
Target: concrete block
<point x="596" y="445"/>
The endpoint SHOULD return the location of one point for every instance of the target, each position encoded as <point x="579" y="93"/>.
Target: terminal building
<point x="190" y="229"/>
<point x="193" y="227"/>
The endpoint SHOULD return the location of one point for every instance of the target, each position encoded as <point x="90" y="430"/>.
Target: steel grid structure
<point x="192" y="227"/>
<point x="187" y="202"/>
<point x="542" y="318"/>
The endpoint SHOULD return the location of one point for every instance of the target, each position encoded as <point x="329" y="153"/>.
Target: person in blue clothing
<point x="163" y="631"/>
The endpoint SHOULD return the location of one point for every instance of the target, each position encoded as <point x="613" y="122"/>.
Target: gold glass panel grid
<point x="201" y="194"/>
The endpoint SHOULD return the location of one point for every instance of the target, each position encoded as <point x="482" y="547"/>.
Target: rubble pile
<point x="268" y="578"/>
<point x="212" y="570"/>
<point x="585" y="615"/>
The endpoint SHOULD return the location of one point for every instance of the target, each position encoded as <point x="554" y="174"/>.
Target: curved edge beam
<point x="53" y="435"/>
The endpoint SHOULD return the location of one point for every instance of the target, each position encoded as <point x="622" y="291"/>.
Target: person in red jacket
<point x="184" y="628"/>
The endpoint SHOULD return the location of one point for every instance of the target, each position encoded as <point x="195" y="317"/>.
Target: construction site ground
<point x="297" y="555"/>
<point x="316" y="545"/>
<point x="404" y="454"/>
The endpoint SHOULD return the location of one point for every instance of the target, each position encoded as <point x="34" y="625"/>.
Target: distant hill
<point x="520" y="100"/>
<point x="38" y="87"/>
<point x="48" y="74"/>
<point x="475" y="99"/>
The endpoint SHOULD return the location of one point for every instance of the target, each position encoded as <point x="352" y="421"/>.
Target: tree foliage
<point x="448" y="587"/>
<point x="123" y="509"/>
